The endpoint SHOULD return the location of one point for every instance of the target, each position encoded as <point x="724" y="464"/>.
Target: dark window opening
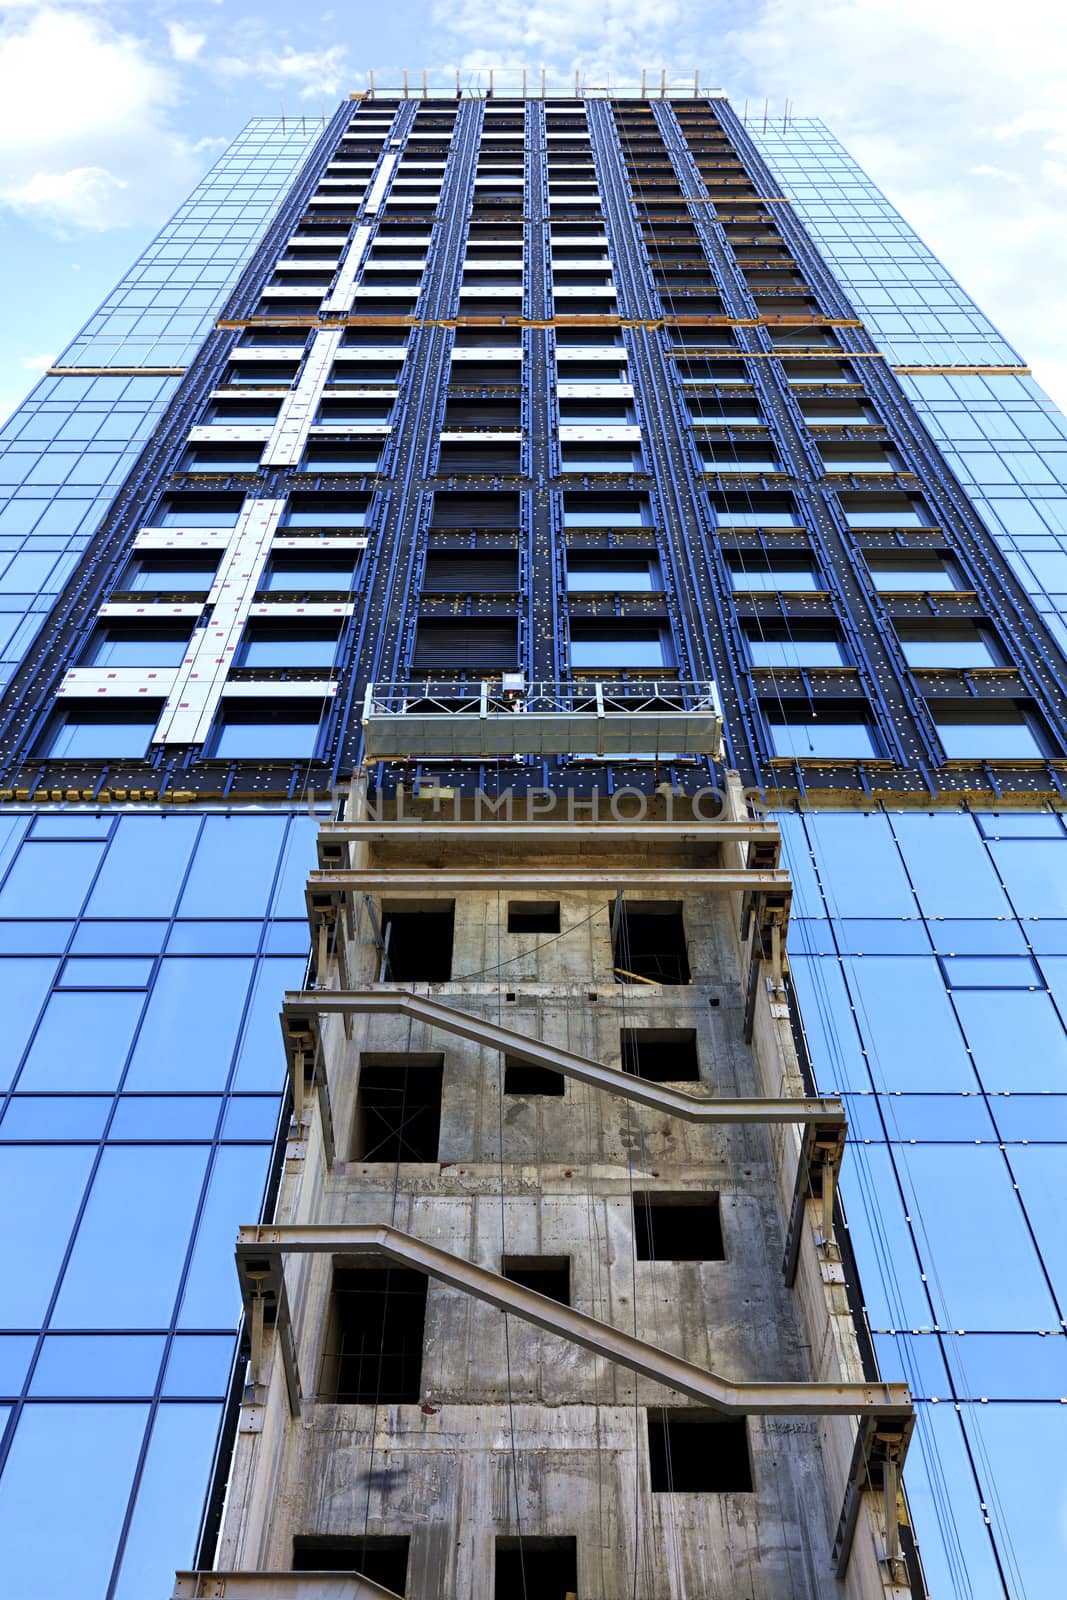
<point x="374" y="1344"/>
<point x="678" y="1227"/>
<point x="661" y="1055"/>
<point x="418" y="941"/>
<point x="466" y="644"/>
<point x="522" y="1077"/>
<point x="398" y="1107"/>
<point x="545" y="1568"/>
<point x="547" y="1275"/>
<point x="533" y="916"/>
<point x="382" y="1560"/>
<point x="698" y="1452"/>
<point x="649" y="942"/>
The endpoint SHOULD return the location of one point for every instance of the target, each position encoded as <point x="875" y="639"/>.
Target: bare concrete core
<point x="517" y="1433"/>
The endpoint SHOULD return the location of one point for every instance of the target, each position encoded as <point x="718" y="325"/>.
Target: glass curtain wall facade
<point x="609" y="393"/>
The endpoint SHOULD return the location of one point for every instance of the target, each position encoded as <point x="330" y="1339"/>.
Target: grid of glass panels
<point x="66" y="451"/>
<point x="929" y="955"/>
<point x="142" y="962"/>
<point x="1001" y="434"/>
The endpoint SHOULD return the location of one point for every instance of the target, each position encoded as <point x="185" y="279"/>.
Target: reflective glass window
<point x="829" y="1026"/>
<point x="103" y="1023"/>
<point x="985" y="734"/>
<point x="949" y="865"/>
<point x="991" y="972"/>
<point x="170" y="1499"/>
<point x="212" y="1298"/>
<point x="104" y="972"/>
<point x="936" y="1117"/>
<point x="170" y="1117"/>
<point x="234" y="867"/>
<point x="828" y="737"/>
<point x="260" y="1064"/>
<point x="24" y="985"/>
<point x="40" y="1192"/>
<point x="981" y="1265"/>
<point x="1038" y="1171"/>
<point x="199" y="1365"/>
<point x="211" y="989"/>
<point x="55" y="1117"/>
<point x="1034" y="872"/>
<point x="860" y="866"/>
<point x="1008" y="1366"/>
<point x="126" y="1264"/>
<point x="1016" y="1039"/>
<point x="958" y="936"/>
<point x="251" y="1117"/>
<point x="34" y="938"/>
<point x="87" y="732"/>
<point x="214" y="938"/>
<point x="16" y="1353"/>
<point x="68" y="1479"/>
<point x="49" y="878"/>
<point x="273" y="646"/>
<point x="913" y="1047"/>
<point x="98" y="1365"/>
<point x="798" y="652"/>
<point x="249" y="729"/>
<point x="118" y="938"/>
<point x="955" y="1548"/>
<point x="1027" y="1507"/>
<point x="298" y="858"/>
<point x="890" y="1275"/>
<point x="144" y="867"/>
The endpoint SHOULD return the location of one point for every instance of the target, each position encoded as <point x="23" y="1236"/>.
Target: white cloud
<point x="36" y="363"/>
<point x="309" y="72"/>
<point x="86" y="140"/>
<point x="185" y="43"/>
<point x="84" y="197"/>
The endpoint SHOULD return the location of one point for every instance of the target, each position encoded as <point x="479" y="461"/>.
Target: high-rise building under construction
<point x="564" y="599"/>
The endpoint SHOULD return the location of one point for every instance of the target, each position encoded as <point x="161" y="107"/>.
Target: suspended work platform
<point x="506" y="716"/>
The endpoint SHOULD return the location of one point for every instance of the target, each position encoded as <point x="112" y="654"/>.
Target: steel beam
<point x="826" y="1115"/>
<point x="278" y="1586"/>
<point x="566" y="880"/>
<point x="261" y="1250"/>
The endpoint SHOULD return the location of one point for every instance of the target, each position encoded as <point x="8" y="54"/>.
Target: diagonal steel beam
<point x="261" y="1250"/>
<point x="303" y="1007"/>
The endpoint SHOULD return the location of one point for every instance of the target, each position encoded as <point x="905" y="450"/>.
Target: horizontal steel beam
<point x="499" y="830"/>
<point x="278" y="1586"/>
<point x="568" y="880"/>
<point x="303" y="1005"/>
<point x="261" y="1249"/>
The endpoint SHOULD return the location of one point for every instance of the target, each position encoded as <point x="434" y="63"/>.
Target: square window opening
<point x="648" y="941"/>
<point x="522" y="1077"/>
<point x="547" y="1568"/>
<point x="533" y="916"/>
<point x="678" y="1227"/>
<point x="418" y="938"/>
<point x="547" y="1275"/>
<point x="698" y="1452"/>
<point x="382" y="1560"/>
<point x="374" y="1339"/>
<point x="661" y="1055"/>
<point x="398" y="1107"/>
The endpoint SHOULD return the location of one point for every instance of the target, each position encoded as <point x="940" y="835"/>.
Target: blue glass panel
<point x="949" y="866"/>
<point x="251" y="1117"/>
<point x="16" y="1353"/>
<point x="917" y="1046"/>
<point x="989" y="740"/>
<point x="24" y="985"/>
<point x="103" y="1024"/>
<point x="823" y="738"/>
<point x="211" y="1298"/>
<point x="954" y="1545"/>
<point x="211" y="989"/>
<point x="51" y="878"/>
<point x="214" y="938"/>
<point x="914" y="1359"/>
<point x="1034" y="872"/>
<point x="991" y="972"/>
<point x="261" y="1063"/>
<point x="885" y="936"/>
<point x="1009" y="1366"/>
<point x="796" y="653"/>
<point x="1016" y="1039"/>
<point x="622" y="652"/>
<point x="1039" y="1173"/>
<point x="1028" y="825"/>
<point x="893" y="1291"/>
<point x="83" y="735"/>
<point x="127" y="1259"/>
<point x="98" y="1365"/>
<point x="829" y="1026"/>
<point x="1048" y="936"/>
<point x="68" y="1478"/>
<point x="234" y="867"/>
<point x="171" y="1117"/>
<point x="75" y="825"/>
<point x="199" y="1365"/>
<point x="860" y="866"/>
<point x="291" y="939"/>
<point x="145" y="864"/>
<point x="1038" y="1118"/>
<point x="40" y="1193"/>
<point x="298" y="859"/>
<point x="34" y="938"/>
<point x="169" y="1500"/>
<point x="1027" y="1505"/>
<point x="119" y="938"/>
<point x="109" y="972"/>
<point x="977" y="937"/>
<point x="55" y="1117"/>
<point x="980" y="1262"/>
<point x="930" y="1117"/>
<point x="265" y="737"/>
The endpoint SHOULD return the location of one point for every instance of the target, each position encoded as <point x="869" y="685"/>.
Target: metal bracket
<point x="877" y="1462"/>
<point x="307" y="1077"/>
<point x="817" y="1172"/>
<point x="266" y="1306"/>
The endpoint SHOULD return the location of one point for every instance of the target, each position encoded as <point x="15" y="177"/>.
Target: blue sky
<point x="110" y="111"/>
